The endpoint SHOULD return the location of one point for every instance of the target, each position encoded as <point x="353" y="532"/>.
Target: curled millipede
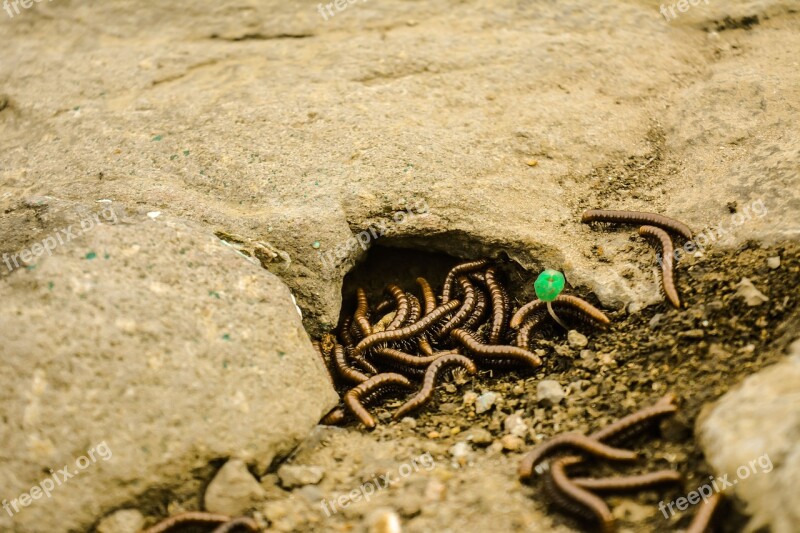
<point x="498" y="352"/>
<point x="401" y="303"/>
<point x="624" y="427"/>
<point x="571" y="440"/>
<point x="414" y="309"/>
<point x="456" y="271"/>
<point x="628" y="483"/>
<point x="428" y="296"/>
<point x="384" y="306"/>
<point x="192" y="517"/>
<point x="355" y="398"/>
<point x="334" y="417"/>
<point x="524" y="333"/>
<point x="498" y="306"/>
<point x="478" y="312"/>
<point x="243" y="522"/>
<point x="401" y="358"/>
<point x="705" y="513"/>
<point x="666" y="261"/>
<point x="429" y="383"/>
<point x="408" y="331"/>
<point x="344" y="369"/>
<point x="464" y="312"/>
<point x="565" y="300"/>
<point x="361" y="316"/>
<point x="637" y="217"/>
<point x="566" y="487"/>
<point x="345" y="334"/>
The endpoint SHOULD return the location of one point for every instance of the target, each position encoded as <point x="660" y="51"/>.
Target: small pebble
<point x="122" y="521"/>
<point x="470" y="398"/>
<point x="749" y="293"/>
<point x="433" y="435"/>
<point x="408" y="422"/>
<point x="515" y="425"/>
<point x="479" y="436"/>
<point x="577" y="339"/>
<point x="485" y="401"/>
<point x="384" y="521"/>
<point x="233" y="490"/>
<point x="656" y="320"/>
<point x="292" y="476"/>
<point x="549" y="392"/>
<point x="774" y="262"/>
<point x="693" y="334"/>
<point x="512" y="443"/>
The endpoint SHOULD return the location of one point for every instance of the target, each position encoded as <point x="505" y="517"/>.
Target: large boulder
<point x="136" y="354"/>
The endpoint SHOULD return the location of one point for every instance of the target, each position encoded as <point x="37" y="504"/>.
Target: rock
<point x="718" y="352"/>
<point x="549" y="392"/>
<point x="383" y="521"/>
<point x="656" y="320"/>
<point x="692" y="334"/>
<point x="200" y="348"/>
<point x="460" y="450"/>
<point x="311" y="493"/>
<point x="470" y="398"/>
<point x="479" y="436"/>
<point x="515" y="425"/>
<point x="749" y="293"/>
<point x="750" y="435"/>
<point x="577" y="339"/>
<point x="408" y="422"/>
<point x="512" y="443"/>
<point x="122" y="521"/>
<point x="233" y="491"/>
<point x="774" y="262"/>
<point x="292" y="476"/>
<point x="485" y="401"/>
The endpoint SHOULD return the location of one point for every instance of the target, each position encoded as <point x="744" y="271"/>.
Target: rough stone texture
<point x="123" y="521"/>
<point x="155" y="338"/>
<point x="233" y="491"/>
<point x="265" y="121"/>
<point x="760" y="418"/>
<point x="292" y="476"/>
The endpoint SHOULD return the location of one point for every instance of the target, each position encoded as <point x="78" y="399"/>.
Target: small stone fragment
<point x="383" y="521"/>
<point x="692" y="334"/>
<point x="233" y="491"/>
<point x="549" y="392"/>
<point x="749" y="293"/>
<point x="485" y="401"/>
<point x="512" y="443"/>
<point x="774" y="262"/>
<point x="122" y="521"/>
<point x="479" y="436"/>
<point x="515" y="425"/>
<point x="292" y="476"/>
<point x="577" y="339"/>
<point x="470" y="398"/>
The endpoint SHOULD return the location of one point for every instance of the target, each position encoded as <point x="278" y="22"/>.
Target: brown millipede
<point x="242" y="522"/>
<point x="355" y="399"/>
<point x="192" y="517"/>
<point x="566" y="300"/>
<point x="524" y="333"/>
<point x="702" y="519"/>
<point x="457" y="271"/>
<point x="628" y="483"/>
<point x="429" y="383"/>
<point x="464" y="312"/>
<point x="478" y="312"/>
<point x="489" y="352"/>
<point x="344" y="369"/>
<point x="571" y="440"/>
<point x="623" y="427"/>
<point x="666" y="261"/>
<point x="361" y="316"/>
<point x="428" y="296"/>
<point x="498" y="306"/>
<point x="401" y="303"/>
<point x="637" y="217"/>
<point x="585" y="498"/>
<point x="334" y="417"/>
<point x="408" y="331"/>
<point x="402" y="358"/>
<point x="414" y="309"/>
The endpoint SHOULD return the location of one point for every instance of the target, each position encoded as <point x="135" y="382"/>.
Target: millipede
<point x="563" y="484"/>
<point x="487" y="352"/>
<point x="428" y="296"/>
<point x="662" y="237"/>
<point x="191" y="517"/>
<point x="638" y="218"/>
<point x="457" y="271"/>
<point x="566" y="300"/>
<point x="401" y="303"/>
<point x="431" y="374"/>
<point x="629" y="483"/>
<point x="361" y="316"/>
<point x="498" y="306"/>
<point x="356" y="398"/>
<point x="343" y="367"/>
<point x="467" y="307"/>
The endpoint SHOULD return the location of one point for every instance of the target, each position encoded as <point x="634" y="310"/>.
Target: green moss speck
<point x="90" y="256"/>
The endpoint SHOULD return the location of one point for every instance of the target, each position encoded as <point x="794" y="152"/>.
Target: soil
<point x="698" y="353"/>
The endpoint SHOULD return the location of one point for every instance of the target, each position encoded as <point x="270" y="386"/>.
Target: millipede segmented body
<point x="628" y="483"/>
<point x="429" y="383"/>
<point x="355" y="398"/>
<point x="575" y="441"/>
<point x="408" y="331"/>
<point x="564" y="485"/>
<point x="456" y="271"/>
<point x="343" y="367"/>
<point x="667" y="280"/>
<point x="624" y="427"/>
<point x="464" y="312"/>
<point x="524" y="333"/>
<point x="705" y="513"/>
<point x="562" y="300"/>
<point x="428" y="296"/>
<point x="361" y="316"/>
<point x="243" y="523"/>
<point x="638" y="218"/>
<point x="486" y="353"/>
<point x="414" y="309"/>
<point x="498" y="306"/>
<point x="334" y="417"/>
<point x="478" y="311"/>
<point x="401" y="303"/>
